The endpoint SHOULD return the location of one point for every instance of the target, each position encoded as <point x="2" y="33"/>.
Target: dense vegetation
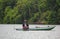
<point x="35" y="11"/>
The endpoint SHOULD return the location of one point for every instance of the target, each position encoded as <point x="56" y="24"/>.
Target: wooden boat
<point x="38" y="28"/>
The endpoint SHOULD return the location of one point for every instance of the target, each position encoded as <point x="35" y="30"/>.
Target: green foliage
<point x="34" y="18"/>
<point x="11" y="15"/>
<point x="42" y="11"/>
<point x="58" y="17"/>
<point x="58" y="2"/>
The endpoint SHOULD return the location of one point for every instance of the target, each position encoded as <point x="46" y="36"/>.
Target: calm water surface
<point x="9" y="32"/>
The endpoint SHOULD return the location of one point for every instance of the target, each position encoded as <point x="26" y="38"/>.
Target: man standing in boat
<point x="25" y="25"/>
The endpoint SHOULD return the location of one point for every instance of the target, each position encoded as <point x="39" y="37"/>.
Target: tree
<point x="11" y="15"/>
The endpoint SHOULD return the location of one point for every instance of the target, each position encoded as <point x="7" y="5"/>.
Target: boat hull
<point x="37" y="29"/>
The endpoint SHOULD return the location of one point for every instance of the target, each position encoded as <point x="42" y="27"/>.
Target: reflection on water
<point x="9" y="32"/>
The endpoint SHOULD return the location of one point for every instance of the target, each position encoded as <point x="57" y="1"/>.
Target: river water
<point x="7" y="31"/>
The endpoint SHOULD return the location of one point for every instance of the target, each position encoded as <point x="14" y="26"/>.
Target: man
<point x="25" y="25"/>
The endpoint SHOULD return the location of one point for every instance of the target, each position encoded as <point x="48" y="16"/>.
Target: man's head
<point x="25" y="20"/>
